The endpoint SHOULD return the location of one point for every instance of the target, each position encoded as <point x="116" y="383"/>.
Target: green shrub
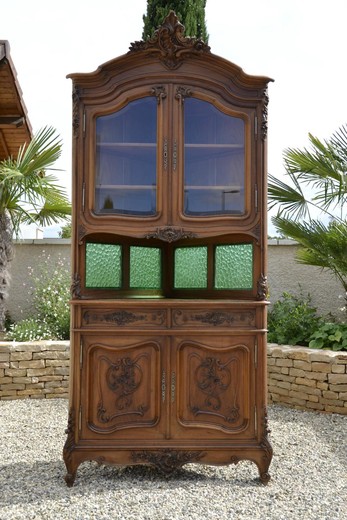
<point x="292" y="320"/>
<point x="30" y="329"/>
<point x="332" y="336"/>
<point x="51" y="293"/>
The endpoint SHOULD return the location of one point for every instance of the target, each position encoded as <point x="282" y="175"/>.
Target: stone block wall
<point x="38" y="369"/>
<point x="307" y="379"/>
<point x="297" y="376"/>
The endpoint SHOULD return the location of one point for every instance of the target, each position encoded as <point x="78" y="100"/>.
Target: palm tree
<point x="311" y="210"/>
<point x="28" y="195"/>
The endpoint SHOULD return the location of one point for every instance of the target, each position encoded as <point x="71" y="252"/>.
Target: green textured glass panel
<point x="145" y="267"/>
<point x="234" y="266"/>
<point x="191" y="268"/>
<point x="103" y="266"/>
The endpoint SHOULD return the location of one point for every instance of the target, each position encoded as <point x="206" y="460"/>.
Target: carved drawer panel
<point x="228" y="318"/>
<point x="123" y="318"/>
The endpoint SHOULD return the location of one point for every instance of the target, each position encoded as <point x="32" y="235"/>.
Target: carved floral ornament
<point x="169" y="41"/>
<point x="170" y="234"/>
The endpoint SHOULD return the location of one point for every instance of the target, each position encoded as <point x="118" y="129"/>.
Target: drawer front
<point x="123" y="318"/>
<point x="219" y="318"/>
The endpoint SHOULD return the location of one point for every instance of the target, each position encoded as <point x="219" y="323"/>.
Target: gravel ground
<point x="309" y="475"/>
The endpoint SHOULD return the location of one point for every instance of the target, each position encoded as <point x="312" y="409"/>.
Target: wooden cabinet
<point x="168" y="341"/>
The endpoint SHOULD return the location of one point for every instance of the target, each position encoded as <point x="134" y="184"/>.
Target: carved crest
<point x="170" y="43"/>
<point x="170" y="234"/>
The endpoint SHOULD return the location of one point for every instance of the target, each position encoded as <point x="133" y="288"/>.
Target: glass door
<point x="126" y="160"/>
<point x="213" y="161"/>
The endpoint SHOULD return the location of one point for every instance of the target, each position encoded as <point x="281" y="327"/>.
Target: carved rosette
<point x="170" y="234"/>
<point x="167" y="461"/>
<point x="262" y="288"/>
<point x="169" y="42"/>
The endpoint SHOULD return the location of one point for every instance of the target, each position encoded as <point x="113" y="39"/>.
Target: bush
<point x="51" y="294"/>
<point x="30" y="329"/>
<point x="292" y="320"/>
<point x="332" y="336"/>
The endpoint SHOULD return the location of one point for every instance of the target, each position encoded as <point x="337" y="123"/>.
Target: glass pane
<point x="214" y="160"/>
<point x="103" y="266"/>
<point x="126" y="157"/>
<point x="190" y="268"/>
<point x="145" y="267"/>
<point x="234" y="266"/>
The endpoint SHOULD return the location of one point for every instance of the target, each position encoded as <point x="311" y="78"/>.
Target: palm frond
<point x="41" y="153"/>
<point x="322" y="245"/>
<point x="27" y="192"/>
<point x="51" y="213"/>
<point x="290" y="199"/>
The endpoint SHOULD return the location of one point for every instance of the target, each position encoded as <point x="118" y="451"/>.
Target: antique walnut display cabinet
<point x="168" y="359"/>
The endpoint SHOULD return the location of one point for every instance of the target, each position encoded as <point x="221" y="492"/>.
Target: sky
<point x="301" y="44"/>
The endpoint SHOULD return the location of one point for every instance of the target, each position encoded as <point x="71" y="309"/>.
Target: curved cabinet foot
<point x="70" y="479"/>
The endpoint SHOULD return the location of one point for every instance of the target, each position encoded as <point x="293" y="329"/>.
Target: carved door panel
<point x="121" y="392"/>
<point x="213" y="395"/>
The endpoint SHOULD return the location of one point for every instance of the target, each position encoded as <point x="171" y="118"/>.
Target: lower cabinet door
<point x="121" y="388"/>
<point x="213" y="387"/>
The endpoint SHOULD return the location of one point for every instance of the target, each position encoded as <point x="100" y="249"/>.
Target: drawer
<point x="124" y="317"/>
<point x="219" y="318"/>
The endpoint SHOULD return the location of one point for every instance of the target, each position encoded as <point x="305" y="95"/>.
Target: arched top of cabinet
<point x="169" y="56"/>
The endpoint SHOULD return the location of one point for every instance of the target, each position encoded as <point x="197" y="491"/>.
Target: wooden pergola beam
<point x="11" y="121"/>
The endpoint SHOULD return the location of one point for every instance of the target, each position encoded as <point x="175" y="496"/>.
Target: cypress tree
<point x="191" y="14"/>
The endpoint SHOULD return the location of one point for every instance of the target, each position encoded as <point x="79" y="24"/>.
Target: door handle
<point x="173" y="386"/>
<point x="163" y="386"/>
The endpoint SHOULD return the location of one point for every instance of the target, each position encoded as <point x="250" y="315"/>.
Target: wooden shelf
<point x="125" y="145"/>
<point x="125" y="187"/>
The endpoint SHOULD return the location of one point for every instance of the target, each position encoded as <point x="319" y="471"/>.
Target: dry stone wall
<point x="307" y="379"/>
<point x="298" y="377"/>
<point x="38" y="369"/>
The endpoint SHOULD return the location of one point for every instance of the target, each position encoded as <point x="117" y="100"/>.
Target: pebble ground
<point x="309" y="475"/>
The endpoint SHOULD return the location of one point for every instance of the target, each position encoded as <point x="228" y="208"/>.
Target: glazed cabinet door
<point x="213" y="159"/>
<point x="213" y="387"/>
<point x="121" y="393"/>
<point x="126" y="155"/>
